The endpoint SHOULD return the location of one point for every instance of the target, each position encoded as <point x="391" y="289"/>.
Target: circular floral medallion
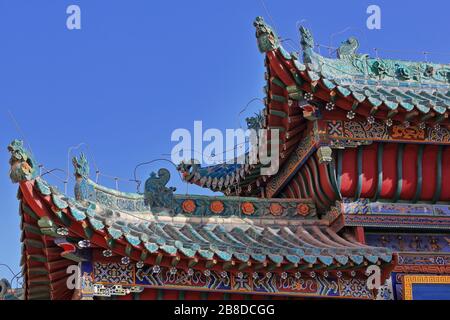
<point x="156" y="269"/>
<point x="84" y="244"/>
<point x="440" y="260"/>
<point x="248" y="208"/>
<point x="107" y="253"/>
<point x="276" y="209"/>
<point x="217" y="207"/>
<point x="303" y="209"/>
<point x="189" y="206"/>
<point x="62" y="232"/>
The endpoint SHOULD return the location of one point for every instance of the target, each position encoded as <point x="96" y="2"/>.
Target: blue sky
<point x="139" y="69"/>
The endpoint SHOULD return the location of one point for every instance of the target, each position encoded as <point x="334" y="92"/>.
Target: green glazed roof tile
<point x="77" y="214"/>
<point x="374" y="101"/>
<point x="391" y="105"/>
<point x="151" y="247"/>
<point x="328" y="84"/>
<point x="310" y="259"/>
<point x="275" y="258"/>
<point x="357" y="259"/>
<point x="344" y="91"/>
<point x="43" y="187"/>
<point x="300" y="66"/>
<point x="358" y="96"/>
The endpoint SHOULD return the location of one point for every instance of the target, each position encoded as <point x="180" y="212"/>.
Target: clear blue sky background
<point x="140" y="69"/>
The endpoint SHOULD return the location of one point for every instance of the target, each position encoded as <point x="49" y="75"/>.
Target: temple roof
<point x="352" y="86"/>
<point x="383" y="89"/>
<point x="287" y="237"/>
<point x="392" y="84"/>
<point x="159" y="226"/>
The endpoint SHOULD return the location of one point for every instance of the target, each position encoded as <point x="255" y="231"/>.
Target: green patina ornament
<point x="81" y="166"/>
<point x="23" y="165"/>
<point x="84" y="190"/>
<point x="307" y="39"/>
<point x="156" y="194"/>
<point x="348" y="48"/>
<point x="267" y="38"/>
<point x="380" y="68"/>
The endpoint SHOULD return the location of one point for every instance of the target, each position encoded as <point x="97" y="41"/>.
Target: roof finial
<point x="267" y="38"/>
<point x="23" y="165"/>
<point x="307" y="39"/>
<point x="81" y="166"/>
<point x="157" y="195"/>
<point x="348" y="48"/>
<point x="84" y="190"/>
<point x="307" y="42"/>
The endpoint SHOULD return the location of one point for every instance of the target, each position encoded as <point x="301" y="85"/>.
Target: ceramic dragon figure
<point x="81" y="166"/>
<point x="83" y="188"/>
<point x="23" y="165"/>
<point x="307" y="43"/>
<point x="267" y="38"/>
<point x="307" y="39"/>
<point x="348" y="48"/>
<point x="156" y="194"/>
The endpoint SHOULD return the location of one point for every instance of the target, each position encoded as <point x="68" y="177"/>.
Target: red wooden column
<point x="360" y="235"/>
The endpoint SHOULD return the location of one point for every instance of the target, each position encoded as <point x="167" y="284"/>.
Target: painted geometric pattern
<point x="386" y="291"/>
<point x="257" y="282"/>
<point x="423" y="263"/>
<point x="410" y="242"/>
<point x="426" y="287"/>
<point x="391" y="221"/>
<point x="113" y="273"/>
<point x="354" y="288"/>
<point x="423" y="259"/>
<point x="359" y="130"/>
<point x="365" y="206"/>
